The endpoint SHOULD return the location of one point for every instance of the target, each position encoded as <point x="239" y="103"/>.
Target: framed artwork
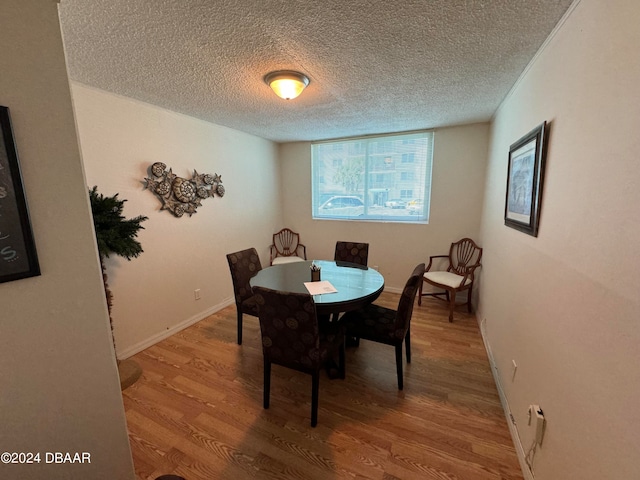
<point x="18" y="257"/>
<point x="524" y="181"/>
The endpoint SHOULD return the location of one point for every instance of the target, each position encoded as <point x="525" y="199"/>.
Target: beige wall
<point x="459" y="162"/>
<point x="154" y="293"/>
<point x="58" y="379"/>
<point x="565" y="305"/>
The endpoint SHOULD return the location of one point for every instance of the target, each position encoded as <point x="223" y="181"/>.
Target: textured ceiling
<point x="376" y="66"/>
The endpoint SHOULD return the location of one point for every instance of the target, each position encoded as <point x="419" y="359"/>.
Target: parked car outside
<point x="395" y="203"/>
<point x="415" y="207"/>
<point x="323" y="197"/>
<point x="342" y="205"/>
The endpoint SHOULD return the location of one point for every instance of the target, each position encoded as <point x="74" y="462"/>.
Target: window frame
<point x="395" y="160"/>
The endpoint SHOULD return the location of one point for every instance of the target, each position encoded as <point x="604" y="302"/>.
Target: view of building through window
<point x="384" y="178"/>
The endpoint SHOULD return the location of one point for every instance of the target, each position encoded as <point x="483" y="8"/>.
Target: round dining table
<point x="356" y="285"/>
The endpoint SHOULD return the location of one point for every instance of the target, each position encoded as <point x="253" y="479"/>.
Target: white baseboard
<point x="138" y="347"/>
<point x="513" y="429"/>
<point x="393" y="289"/>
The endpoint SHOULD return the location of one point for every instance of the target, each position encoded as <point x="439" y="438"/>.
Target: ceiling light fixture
<point x="286" y="83"/>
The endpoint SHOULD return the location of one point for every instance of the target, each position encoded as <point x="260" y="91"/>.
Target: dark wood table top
<point x="357" y="286"/>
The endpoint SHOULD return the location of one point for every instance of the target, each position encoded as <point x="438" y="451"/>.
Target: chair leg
<point x="469" y="300"/>
<point x="239" y="327"/>
<point x="407" y="342"/>
<point x="342" y="361"/>
<point x="315" y="383"/>
<point x="267" y="382"/>
<point x="399" y="366"/>
<point x="420" y="292"/>
<point x="452" y="304"/>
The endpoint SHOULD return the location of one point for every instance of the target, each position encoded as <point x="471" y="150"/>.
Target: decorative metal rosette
<point x="180" y="195"/>
<point x="178" y="210"/>
<point x="184" y="190"/>
<point x="158" y="169"/>
<point x="162" y="188"/>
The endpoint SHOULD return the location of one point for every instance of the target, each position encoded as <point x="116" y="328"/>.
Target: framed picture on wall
<point x="18" y="257"/>
<point x="524" y="181"/>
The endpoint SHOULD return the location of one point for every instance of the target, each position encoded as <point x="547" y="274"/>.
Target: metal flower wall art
<point x="181" y="195"/>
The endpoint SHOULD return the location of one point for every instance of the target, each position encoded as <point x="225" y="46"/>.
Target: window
<point x="406" y="194"/>
<point x="382" y="178"/>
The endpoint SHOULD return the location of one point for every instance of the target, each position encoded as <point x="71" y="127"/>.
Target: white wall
<point x="565" y="305"/>
<point x="154" y="293"/>
<point x="58" y="378"/>
<point x="459" y="162"/>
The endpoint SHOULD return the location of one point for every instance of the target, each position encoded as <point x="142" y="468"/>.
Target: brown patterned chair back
<point x="352" y="252"/>
<point x="405" y="305"/>
<point x="385" y="325"/>
<point x="291" y="337"/>
<point x="244" y="265"/>
<point x="289" y="327"/>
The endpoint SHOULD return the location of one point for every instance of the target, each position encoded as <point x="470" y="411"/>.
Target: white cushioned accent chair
<point x="458" y="276"/>
<point x="286" y="247"/>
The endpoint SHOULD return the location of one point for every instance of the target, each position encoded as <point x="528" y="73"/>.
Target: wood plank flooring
<point x="197" y="410"/>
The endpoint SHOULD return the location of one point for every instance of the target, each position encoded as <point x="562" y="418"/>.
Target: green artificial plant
<point x="115" y="234"/>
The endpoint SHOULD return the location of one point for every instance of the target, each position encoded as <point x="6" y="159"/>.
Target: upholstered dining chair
<point x="286" y="247"/>
<point x="455" y="276"/>
<point x="387" y="326"/>
<point x="291" y="337"/>
<point x="352" y="252"/>
<point x="244" y="265"/>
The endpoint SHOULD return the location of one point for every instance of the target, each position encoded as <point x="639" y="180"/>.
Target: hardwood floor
<point x="197" y="410"/>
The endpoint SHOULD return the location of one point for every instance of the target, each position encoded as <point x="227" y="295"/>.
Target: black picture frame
<point x="525" y="176"/>
<point x="18" y="257"/>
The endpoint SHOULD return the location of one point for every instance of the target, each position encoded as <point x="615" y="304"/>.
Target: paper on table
<point x="318" y="288"/>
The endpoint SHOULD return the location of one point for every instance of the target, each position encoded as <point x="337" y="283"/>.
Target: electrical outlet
<point x="514" y="370"/>
<point x="196" y="293"/>
<point x="537" y="418"/>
